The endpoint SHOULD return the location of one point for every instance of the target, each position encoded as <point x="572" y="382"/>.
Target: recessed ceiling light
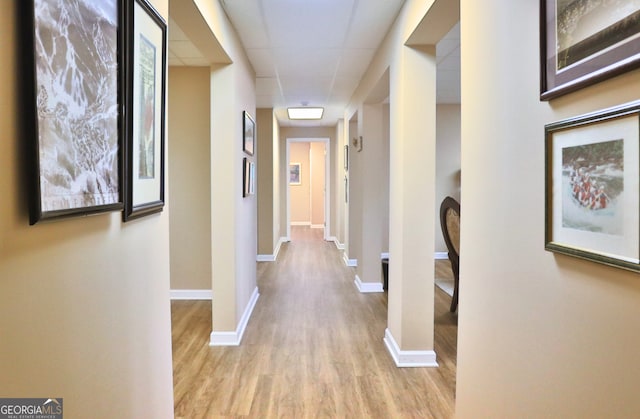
<point x="305" y="113"/>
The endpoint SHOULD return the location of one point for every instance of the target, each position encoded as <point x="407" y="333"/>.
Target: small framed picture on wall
<point x="294" y="174"/>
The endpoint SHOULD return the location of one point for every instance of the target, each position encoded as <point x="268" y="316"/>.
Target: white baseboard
<point x="301" y="223"/>
<point x="234" y="338"/>
<point x="441" y="255"/>
<point x="335" y="240"/>
<point x="408" y="359"/>
<point x="190" y="294"/>
<point x="274" y="256"/>
<point x="349" y="262"/>
<point x="367" y="287"/>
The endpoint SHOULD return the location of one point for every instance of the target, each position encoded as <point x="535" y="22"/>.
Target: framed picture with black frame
<point x="583" y="42"/>
<point x="246" y="177"/>
<point x="145" y="125"/>
<point x="75" y="98"/>
<point x="593" y="187"/>
<point x="249" y="129"/>
<point x="346" y="157"/>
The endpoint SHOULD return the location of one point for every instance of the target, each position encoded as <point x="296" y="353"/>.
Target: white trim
<point x="234" y="338"/>
<point x="368" y="287"/>
<point x="384" y="255"/>
<point x="441" y="255"/>
<point x="317" y="225"/>
<point x="190" y="294"/>
<point x="335" y="240"/>
<point x="281" y="241"/>
<point x="274" y="256"/>
<point x="410" y="359"/>
<point x="300" y="223"/>
<point x="349" y="262"/>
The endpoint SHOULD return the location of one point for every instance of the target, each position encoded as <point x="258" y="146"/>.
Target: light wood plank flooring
<point x="313" y="348"/>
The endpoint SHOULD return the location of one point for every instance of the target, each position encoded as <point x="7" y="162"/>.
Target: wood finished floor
<point x="312" y="349"/>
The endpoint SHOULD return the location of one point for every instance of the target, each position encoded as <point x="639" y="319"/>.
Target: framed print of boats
<point x="586" y="41"/>
<point x="145" y="147"/>
<point x="593" y="187"/>
<point x="77" y="96"/>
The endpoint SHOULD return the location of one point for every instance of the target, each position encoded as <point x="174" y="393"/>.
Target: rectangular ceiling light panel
<point x="305" y="113"/>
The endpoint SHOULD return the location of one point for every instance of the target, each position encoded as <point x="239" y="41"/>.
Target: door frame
<point x="327" y="182"/>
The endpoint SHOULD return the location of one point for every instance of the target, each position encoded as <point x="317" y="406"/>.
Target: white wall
<point x="233" y="218"/>
<point x="317" y="163"/>
<point x="188" y="110"/>
<point x="540" y="335"/>
<point x="447" y="161"/>
<point x="84" y="302"/>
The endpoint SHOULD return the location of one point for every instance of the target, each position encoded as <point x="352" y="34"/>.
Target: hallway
<point x="313" y="347"/>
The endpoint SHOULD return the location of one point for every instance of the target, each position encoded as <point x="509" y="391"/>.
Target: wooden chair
<point x="450" y="224"/>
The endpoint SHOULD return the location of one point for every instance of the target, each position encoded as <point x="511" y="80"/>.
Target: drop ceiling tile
<point x="249" y="22"/>
<point x="263" y="62"/>
<point x="446" y="47"/>
<point x="297" y="84"/>
<point x="295" y="23"/>
<point x="355" y="61"/>
<point x="267" y="86"/>
<point x="347" y="84"/>
<point x="369" y="19"/>
<point x="307" y="62"/>
<point x="451" y="61"/>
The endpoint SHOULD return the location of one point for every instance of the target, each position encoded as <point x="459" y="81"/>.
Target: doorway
<point x="307" y="177"/>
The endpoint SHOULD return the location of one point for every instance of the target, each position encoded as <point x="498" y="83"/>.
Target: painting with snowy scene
<point x="592" y="188"/>
<point x="76" y="107"/>
<point x="593" y="185"/>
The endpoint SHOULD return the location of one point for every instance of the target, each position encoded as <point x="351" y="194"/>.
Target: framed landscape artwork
<point x="249" y="129"/>
<point x="593" y="187"/>
<point x="145" y="148"/>
<point x="586" y="41"/>
<point x="77" y="96"/>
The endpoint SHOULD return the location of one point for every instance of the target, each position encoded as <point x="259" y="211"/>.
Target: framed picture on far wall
<point x="593" y="187"/>
<point x="249" y="129"/>
<point x="76" y="93"/>
<point x="144" y="150"/>
<point x="294" y="174"/>
<point x="585" y="41"/>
